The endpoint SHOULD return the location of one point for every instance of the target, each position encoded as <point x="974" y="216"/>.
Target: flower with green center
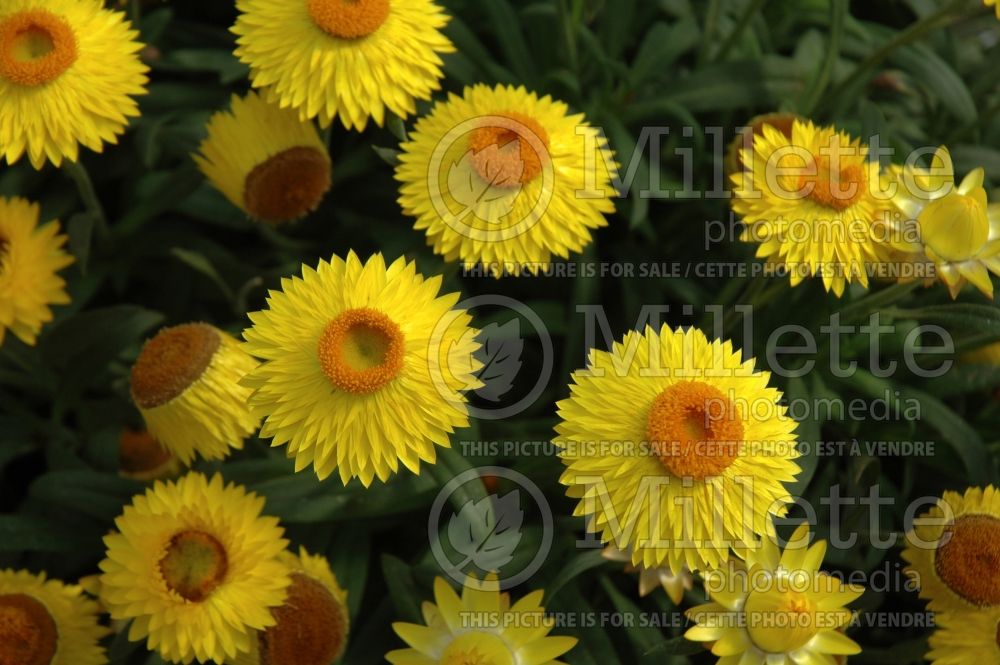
<point x="778" y="609"/>
<point x="952" y="229"/>
<point x="480" y="628"/>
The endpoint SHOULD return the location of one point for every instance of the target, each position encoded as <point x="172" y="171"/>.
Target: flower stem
<point x="88" y="195"/>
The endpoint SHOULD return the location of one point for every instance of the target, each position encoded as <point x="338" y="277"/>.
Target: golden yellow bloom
<point x="953" y="549"/>
<point x="481" y="627"/>
<point x="952" y="228"/>
<point x="810" y="200"/>
<point x="265" y="160"/>
<point x="196" y="568"/>
<point x="778" y="609"/>
<point x="30" y="259"/>
<point x="353" y="60"/>
<point x="653" y="578"/>
<point x="142" y="457"/>
<point x="985" y="355"/>
<point x="500" y="176"/>
<point x="68" y="72"/>
<point x="46" y="622"/>
<point x="676" y="448"/>
<point x="313" y="623"/>
<point x="186" y="386"/>
<point x="364" y="366"/>
<point x="966" y="638"/>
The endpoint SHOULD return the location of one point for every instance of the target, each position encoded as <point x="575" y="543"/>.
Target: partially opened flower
<point x="676" y="449"/>
<point x="352" y="60"/>
<point x="69" y="70"/>
<point x="196" y="568"/>
<point x="31" y="257"/>
<point x="810" y="199"/>
<point x="364" y="367"/>
<point x="653" y="578"/>
<point x="953" y="551"/>
<point x="480" y="627"/>
<point x="970" y="637"/>
<point x="778" y="609"/>
<point x="46" y="622"/>
<point x="186" y="384"/>
<point x="142" y="457"/>
<point x="311" y="626"/>
<point x="950" y="227"/>
<point x="507" y="179"/>
<point x="265" y="160"/>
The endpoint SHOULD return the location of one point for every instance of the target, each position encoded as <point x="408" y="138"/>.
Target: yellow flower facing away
<point x="676" y="449"/>
<point x="778" y="609"/>
<point x="46" y="622"/>
<point x="949" y="227"/>
<point x="311" y="626"/>
<point x="355" y="60"/>
<point x="970" y="637"/>
<point x="31" y="257"/>
<point x="651" y="579"/>
<point x="953" y="551"/>
<point x="196" y="568"/>
<point x="186" y="385"/>
<point x="363" y="367"/>
<point x="265" y="160"/>
<point x="142" y="457"/>
<point x="506" y="179"/>
<point x="69" y="72"/>
<point x="810" y="201"/>
<point x="480" y="627"/>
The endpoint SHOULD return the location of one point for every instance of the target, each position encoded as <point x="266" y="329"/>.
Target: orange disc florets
<point x="349" y="19"/>
<point x="139" y="452"/>
<point x="361" y="350"/>
<point x="28" y="634"/>
<point x="36" y="47"/>
<point x="288" y="185"/>
<point x="510" y="149"/>
<point x="837" y="189"/>
<point x="311" y="627"/>
<point x="694" y="429"/>
<point x="969" y="560"/>
<point x="193" y="565"/>
<point x="172" y="361"/>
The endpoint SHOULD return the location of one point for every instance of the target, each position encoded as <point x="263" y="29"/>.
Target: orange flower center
<point x="361" y="350"/>
<point x="311" y="627"/>
<point x="349" y="19"/>
<point x="837" y="189"/>
<point x="194" y="564"/>
<point x="36" y="47"/>
<point x="139" y="452"/>
<point x="288" y="185"/>
<point x="694" y="429"/>
<point x="969" y="562"/>
<point x="28" y="634"/>
<point x="172" y="361"/>
<point x="509" y="151"/>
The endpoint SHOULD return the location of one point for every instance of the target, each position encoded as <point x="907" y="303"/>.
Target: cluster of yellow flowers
<point x="360" y="366"/>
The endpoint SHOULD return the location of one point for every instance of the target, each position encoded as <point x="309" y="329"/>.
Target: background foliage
<point x="917" y="73"/>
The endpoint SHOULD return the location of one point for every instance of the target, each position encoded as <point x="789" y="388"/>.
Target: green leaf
<point x="575" y="567"/>
<point x="645" y="639"/>
<point x="80" y="229"/>
<point x="402" y="589"/>
<point x="507" y="27"/>
<point x="34" y="533"/>
<point x="205" y="267"/>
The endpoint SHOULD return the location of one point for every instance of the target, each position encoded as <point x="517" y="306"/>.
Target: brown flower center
<point x="172" y="361"/>
<point x="36" y="47"/>
<point x="28" y="634"/>
<point x="510" y="150"/>
<point x="969" y="561"/>
<point x="836" y="189"/>
<point x="349" y="19"/>
<point x="194" y="564"/>
<point x="139" y="452"/>
<point x="361" y="350"/>
<point x="311" y="627"/>
<point x="694" y="429"/>
<point x="287" y="186"/>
